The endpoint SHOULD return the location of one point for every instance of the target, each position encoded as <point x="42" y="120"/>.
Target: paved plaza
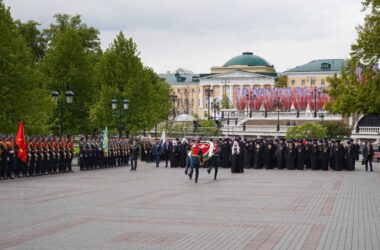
<point x="162" y="209"/>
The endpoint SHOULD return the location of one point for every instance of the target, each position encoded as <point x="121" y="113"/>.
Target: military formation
<point x="45" y="155"/>
<point x="94" y="155"/>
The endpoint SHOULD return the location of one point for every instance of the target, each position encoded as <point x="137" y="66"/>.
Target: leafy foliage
<point x="357" y="91"/>
<point x="307" y="130"/>
<point x="67" y="56"/>
<point x="336" y="129"/>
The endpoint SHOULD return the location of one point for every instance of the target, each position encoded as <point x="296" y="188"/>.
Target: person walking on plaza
<point x="167" y="148"/>
<point x="215" y="159"/>
<point x="134" y="155"/>
<point x="368" y="155"/>
<point x="156" y="150"/>
<point x="197" y="161"/>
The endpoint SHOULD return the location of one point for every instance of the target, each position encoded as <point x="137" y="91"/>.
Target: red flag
<point x="20" y="141"/>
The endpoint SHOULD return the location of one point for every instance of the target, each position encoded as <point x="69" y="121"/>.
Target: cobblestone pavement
<point x="162" y="209"/>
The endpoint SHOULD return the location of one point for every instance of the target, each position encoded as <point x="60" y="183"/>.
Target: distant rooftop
<point x="176" y="78"/>
<point x="320" y="65"/>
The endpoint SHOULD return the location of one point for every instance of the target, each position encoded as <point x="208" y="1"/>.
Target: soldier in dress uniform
<point x="215" y="159"/>
<point x="3" y="157"/>
<point x="57" y="156"/>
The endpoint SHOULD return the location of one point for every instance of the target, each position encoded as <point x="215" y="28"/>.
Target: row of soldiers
<point x="94" y="155"/>
<point x="45" y="155"/>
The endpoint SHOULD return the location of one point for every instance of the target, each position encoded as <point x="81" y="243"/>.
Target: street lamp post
<point x="209" y="93"/>
<point x="216" y="108"/>
<point x="321" y="117"/>
<point x="247" y="100"/>
<point x="125" y="107"/>
<point x="277" y="103"/>
<point x="173" y="99"/>
<point x="316" y="93"/>
<point x="69" y="95"/>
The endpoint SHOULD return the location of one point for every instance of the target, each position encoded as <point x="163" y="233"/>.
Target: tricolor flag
<point x="105" y="142"/>
<point x="20" y="141"/>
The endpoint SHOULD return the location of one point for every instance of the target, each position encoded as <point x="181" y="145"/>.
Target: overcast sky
<point x="198" y="34"/>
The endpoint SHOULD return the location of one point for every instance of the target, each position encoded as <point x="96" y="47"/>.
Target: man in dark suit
<point x="368" y="155"/>
<point x="166" y="149"/>
<point x="134" y="154"/>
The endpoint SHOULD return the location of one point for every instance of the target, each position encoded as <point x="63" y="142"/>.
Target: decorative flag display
<point x="256" y="99"/>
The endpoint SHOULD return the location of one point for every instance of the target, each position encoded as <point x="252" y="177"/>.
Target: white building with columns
<point x="224" y="85"/>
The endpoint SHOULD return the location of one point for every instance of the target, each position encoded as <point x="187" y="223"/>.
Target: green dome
<point x="247" y="58"/>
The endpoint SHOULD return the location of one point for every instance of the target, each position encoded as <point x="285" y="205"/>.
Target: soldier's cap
<point x="321" y="141"/>
<point x="289" y="141"/>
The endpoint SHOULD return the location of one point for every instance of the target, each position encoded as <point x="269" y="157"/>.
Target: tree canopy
<point x="67" y="56"/>
<point x="357" y="89"/>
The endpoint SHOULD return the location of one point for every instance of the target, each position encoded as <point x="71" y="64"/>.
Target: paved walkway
<point x="161" y="209"/>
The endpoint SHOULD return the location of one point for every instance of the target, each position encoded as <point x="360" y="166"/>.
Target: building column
<point x="231" y="95"/>
<point x="201" y="97"/>
<point x="221" y="92"/>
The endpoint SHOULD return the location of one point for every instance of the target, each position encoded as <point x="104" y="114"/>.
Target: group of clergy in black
<point x="291" y="154"/>
<point x="239" y="154"/>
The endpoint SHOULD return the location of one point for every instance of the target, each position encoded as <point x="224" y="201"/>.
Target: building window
<point x="293" y="82"/>
<point x="325" y="66"/>
<point x="312" y="81"/>
<point x="323" y="82"/>
<point x="303" y="82"/>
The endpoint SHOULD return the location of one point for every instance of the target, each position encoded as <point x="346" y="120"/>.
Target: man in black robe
<point x="290" y="155"/>
<point x="258" y="156"/>
<point x="308" y="147"/>
<point x="300" y="149"/>
<point x="325" y="156"/>
<point x="349" y="156"/>
<point x="314" y="156"/>
<point x="226" y="152"/>
<point x="338" y="156"/>
<point x="280" y="155"/>
<point x="268" y="156"/>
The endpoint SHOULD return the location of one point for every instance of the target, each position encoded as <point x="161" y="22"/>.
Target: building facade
<point x="314" y="73"/>
<point x="198" y="94"/>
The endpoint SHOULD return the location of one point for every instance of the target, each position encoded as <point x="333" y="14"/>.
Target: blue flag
<point x="105" y="142"/>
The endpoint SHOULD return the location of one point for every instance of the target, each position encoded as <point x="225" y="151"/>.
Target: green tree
<point x="307" y="130"/>
<point x="281" y="82"/>
<point x="359" y="93"/>
<point x="67" y="66"/>
<point x="120" y="74"/>
<point x="20" y="93"/>
<point x="34" y="38"/>
<point x="336" y="129"/>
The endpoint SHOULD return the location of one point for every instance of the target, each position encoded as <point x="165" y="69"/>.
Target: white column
<point x="201" y="97"/>
<point x="231" y="94"/>
<point x="220" y="92"/>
